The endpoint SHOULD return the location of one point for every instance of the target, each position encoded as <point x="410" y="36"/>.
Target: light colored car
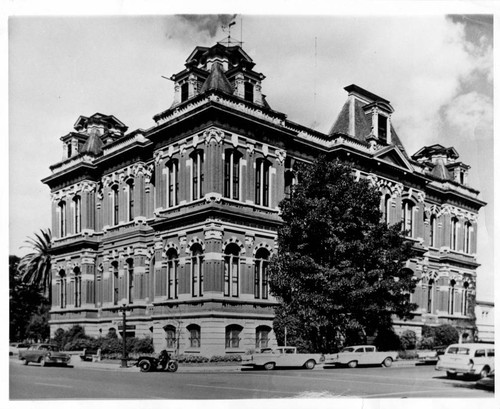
<point x="15" y="347"/>
<point x="269" y="358"/>
<point x="353" y="356"/>
<point x="467" y="359"/>
<point x="44" y="354"/>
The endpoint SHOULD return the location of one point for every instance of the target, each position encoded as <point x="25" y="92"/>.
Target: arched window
<point x="196" y="270"/>
<point x="77" y="203"/>
<point x="194" y="336"/>
<point x="451" y="297"/>
<point x="454" y="233"/>
<point x="262" y="336"/>
<point x="467" y="237"/>
<point x="172" y="183"/>
<point x="432" y="232"/>
<point x="115" y="204"/>
<point x="262" y="183"/>
<point x="170" y="336"/>
<point x="130" y="188"/>
<point x="172" y="278"/>
<point x="130" y="273"/>
<point x="197" y="174"/>
<point x="232" y="174"/>
<point x="62" y="218"/>
<point x="78" y="287"/>
<point x="233" y="336"/>
<point x="430" y="293"/>
<point x="231" y="270"/>
<point x="116" y="285"/>
<point x="62" y="289"/>
<point x="465" y="299"/>
<point x="261" y="274"/>
<point x="407" y="217"/>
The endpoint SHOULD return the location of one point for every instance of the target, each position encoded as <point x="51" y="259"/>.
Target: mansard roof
<point x="83" y="122"/>
<point x="427" y="152"/>
<point x="93" y="145"/>
<point x="234" y="54"/>
<point x="217" y="80"/>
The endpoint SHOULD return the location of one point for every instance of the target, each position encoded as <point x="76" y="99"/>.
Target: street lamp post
<point x="124" y="308"/>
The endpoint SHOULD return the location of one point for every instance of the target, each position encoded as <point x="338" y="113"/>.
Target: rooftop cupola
<point x="224" y="68"/>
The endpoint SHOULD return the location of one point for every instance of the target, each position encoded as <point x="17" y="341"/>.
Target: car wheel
<point x="451" y="375"/>
<point x="145" y="365"/>
<point x="42" y="362"/>
<point x="310" y="364"/>
<point x="172" y="366"/>
<point x="25" y="362"/>
<point x="484" y="373"/>
<point x="269" y="366"/>
<point x="352" y="364"/>
<point x="387" y="362"/>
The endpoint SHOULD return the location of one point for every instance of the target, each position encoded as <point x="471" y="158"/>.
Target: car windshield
<point x="348" y="349"/>
<point x="49" y="348"/>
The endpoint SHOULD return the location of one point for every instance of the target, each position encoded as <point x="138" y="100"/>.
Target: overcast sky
<point x="437" y="72"/>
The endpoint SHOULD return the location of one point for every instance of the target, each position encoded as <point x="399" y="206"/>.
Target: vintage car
<point x="44" y="354"/>
<point x="353" y="356"/>
<point x="270" y="358"/>
<point x="16" y="347"/>
<point x="468" y="359"/>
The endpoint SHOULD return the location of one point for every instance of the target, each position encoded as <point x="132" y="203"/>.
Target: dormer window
<point x="69" y="149"/>
<point x="184" y="92"/>
<point x="382" y="128"/>
<point x="248" y="92"/>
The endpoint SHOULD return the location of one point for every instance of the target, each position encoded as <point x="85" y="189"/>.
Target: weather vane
<point x="228" y="38"/>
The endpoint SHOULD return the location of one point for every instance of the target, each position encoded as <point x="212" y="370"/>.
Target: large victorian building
<point x="179" y="221"/>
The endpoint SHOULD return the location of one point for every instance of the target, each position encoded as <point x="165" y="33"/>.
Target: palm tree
<point x="35" y="267"/>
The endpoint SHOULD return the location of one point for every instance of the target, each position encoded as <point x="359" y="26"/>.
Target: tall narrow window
<point x="387" y="208"/>
<point x="78" y="287"/>
<point x="382" y="128"/>
<point x="289" y="182"/>
<point x="430" y="292"/>
<point x="196" y="270"/>
<point x="432" y="232"/>
<point x="233" y="336"/>
<point x="78" y="214"/>
<point x="116" y="286"/>
<point x="465" y="299"/>
<point x="261" y="274"/>
<point x="114" y="192"/>
<point x="262" y="336"/>
<point x="197" y="174"/>
<point x="62" y="219"/>
<point x="68" y="147"/>
<point x="194" y="336"/>
<point x="173" y="183"/>
<point x="262" y="182"/>
<point x="130" y="273"/>
<point x="248" y="91"/>
<point x="454" y="233"/>
<point x="170" y="337"/>
<point x="184" y="92"/>
<point x="62" y="289"/>
<point x="172" y="278"/>
<point x="407" y="217"/>
<point x="451" y="297"/>
<point x="131" y="214"/>
<point x="467" y="237"/>
<point x="232" y="174"/>
<point x="231" y="270"/>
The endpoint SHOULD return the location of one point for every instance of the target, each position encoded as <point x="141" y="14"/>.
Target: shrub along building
<point x="180" y="220"/>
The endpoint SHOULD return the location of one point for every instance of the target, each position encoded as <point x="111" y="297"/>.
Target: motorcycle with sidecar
<point x="162" y="363"/>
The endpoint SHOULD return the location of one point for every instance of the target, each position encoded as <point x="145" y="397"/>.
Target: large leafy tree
<point x="36" y="266"/>
<point x="339" y="272"/>
<point x="28" y="307"/>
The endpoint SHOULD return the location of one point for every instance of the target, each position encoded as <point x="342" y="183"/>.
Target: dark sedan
<point x="44" y="354"/>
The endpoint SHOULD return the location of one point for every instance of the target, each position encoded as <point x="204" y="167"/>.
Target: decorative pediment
<point x="394" y="156"/>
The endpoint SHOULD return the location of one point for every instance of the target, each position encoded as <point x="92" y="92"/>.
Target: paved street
<point x="35" y="382"/>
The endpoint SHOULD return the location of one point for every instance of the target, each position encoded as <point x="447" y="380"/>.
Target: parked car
<point x="353" y="356"/>
<point x="15" y="347"/>
<point x="44" y="354"/>
<point x="467" y="359"/>
<point x="269" y="358"/>
<point x="430" y="356"/>
<point x="487" y="382"/>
